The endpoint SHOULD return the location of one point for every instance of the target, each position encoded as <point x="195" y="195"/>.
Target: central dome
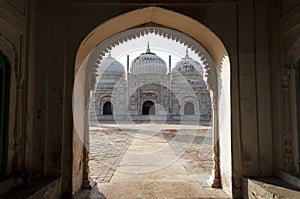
<point x="148" y="63"/>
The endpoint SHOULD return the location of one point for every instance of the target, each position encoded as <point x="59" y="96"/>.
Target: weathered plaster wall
<point x="16" y="43"/>
<point x="286" y="44"/>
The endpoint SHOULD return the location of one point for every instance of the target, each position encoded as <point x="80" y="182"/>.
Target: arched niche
<point x="291" y="90"/>
<point x="107" y="108"/>
<point x="8" y="50"/>
<point x="189" y="108"/>
<point x="216" y="61"/>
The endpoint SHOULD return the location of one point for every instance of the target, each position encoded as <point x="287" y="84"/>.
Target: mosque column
<point x="91" y="85"/>
<point x="170" y="89"/>
<point x="212" y="85"/>
<point x="214" y="180"/>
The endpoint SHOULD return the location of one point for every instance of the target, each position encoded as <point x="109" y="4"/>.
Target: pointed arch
<point x="218" y="75"/>
<point x="156" y="15"/>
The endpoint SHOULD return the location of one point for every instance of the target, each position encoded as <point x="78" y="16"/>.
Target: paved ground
<point x="151" y="161"/>
<point x="107" y="147"/>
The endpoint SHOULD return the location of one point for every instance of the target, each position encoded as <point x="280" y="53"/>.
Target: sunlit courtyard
<point x="135" y="162"/>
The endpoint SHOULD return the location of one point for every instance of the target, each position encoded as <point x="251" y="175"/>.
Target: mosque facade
<point x="150" y="88"/>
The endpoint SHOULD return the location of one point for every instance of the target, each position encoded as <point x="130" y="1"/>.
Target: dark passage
<point x="148" y="108"/>
<point x="107" y="108"/>
<point x="4" y="90"/>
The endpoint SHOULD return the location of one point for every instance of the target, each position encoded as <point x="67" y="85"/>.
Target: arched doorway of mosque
<point x="107" y="108"/>
<point x="148" y="108"/>
<point x="189" y="109"/>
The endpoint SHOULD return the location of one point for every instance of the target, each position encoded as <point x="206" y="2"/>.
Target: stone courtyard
<point x="139" y="164"/>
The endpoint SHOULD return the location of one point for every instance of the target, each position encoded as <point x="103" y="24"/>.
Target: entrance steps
<point x="269" y="188"/>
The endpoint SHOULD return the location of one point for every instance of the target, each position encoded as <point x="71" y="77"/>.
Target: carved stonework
<point x="289" y="160"/>
<point x="9" y="50"/>
<point x="291" y="139"/>
<point x="214" y="180"/>
<point x="287" y="133"/>
<point x="294" y="54"/>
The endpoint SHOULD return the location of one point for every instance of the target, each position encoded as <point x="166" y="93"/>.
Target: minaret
<point x="128" y="79"/>
<point x="170" y="94"/>
<point x="127" y="65"/>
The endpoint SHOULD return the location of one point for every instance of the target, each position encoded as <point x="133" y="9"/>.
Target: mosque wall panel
<point x="263" y="86"/>
<point x="248" y="94"/>
<point x="14" y="32"/>
<point x="288" y="136"/>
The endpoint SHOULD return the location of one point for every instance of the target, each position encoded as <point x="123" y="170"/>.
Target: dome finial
<point x="187" y="52"/>
<point x="148" y="48"/>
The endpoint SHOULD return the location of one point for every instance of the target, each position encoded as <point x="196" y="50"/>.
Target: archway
<point x="189" y="108"/>
<point x="215" y="56"/>
<point x="148" y="108"/>
<point x="107" y="108"/>
<point x="4" y="99"/>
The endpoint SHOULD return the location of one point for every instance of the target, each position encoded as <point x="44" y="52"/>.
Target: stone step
<point x="268" y="188"/>
<point x="42" y="187"/>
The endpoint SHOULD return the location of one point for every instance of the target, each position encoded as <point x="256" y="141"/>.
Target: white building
<point x="150" y="88"/>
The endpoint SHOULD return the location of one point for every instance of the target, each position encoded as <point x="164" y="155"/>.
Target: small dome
<point x="187" y="65"/>
<point x="110" y="70"/>
<point x="148" y="63"/>
<point x="110" y="65"/>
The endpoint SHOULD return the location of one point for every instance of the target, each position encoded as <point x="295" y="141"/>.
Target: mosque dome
<point x="110" y="70"/>
<point x="110" y="65"/>
<point x="188" y="66"/>
<point x="148" y="63"/>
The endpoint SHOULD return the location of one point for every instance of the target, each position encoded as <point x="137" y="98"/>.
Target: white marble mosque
<point x="150" y="88"/>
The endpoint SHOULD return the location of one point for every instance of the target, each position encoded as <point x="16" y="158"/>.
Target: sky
<point x="162" y="47"/>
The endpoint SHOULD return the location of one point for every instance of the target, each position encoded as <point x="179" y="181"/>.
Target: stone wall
<point x="286" y="43"/>
<point x="17" y="45"/>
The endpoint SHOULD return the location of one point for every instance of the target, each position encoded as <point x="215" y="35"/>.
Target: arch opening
<point x="218" y="64"/>
<point x="148" y="108"/>
<point x="107" y="108"/>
